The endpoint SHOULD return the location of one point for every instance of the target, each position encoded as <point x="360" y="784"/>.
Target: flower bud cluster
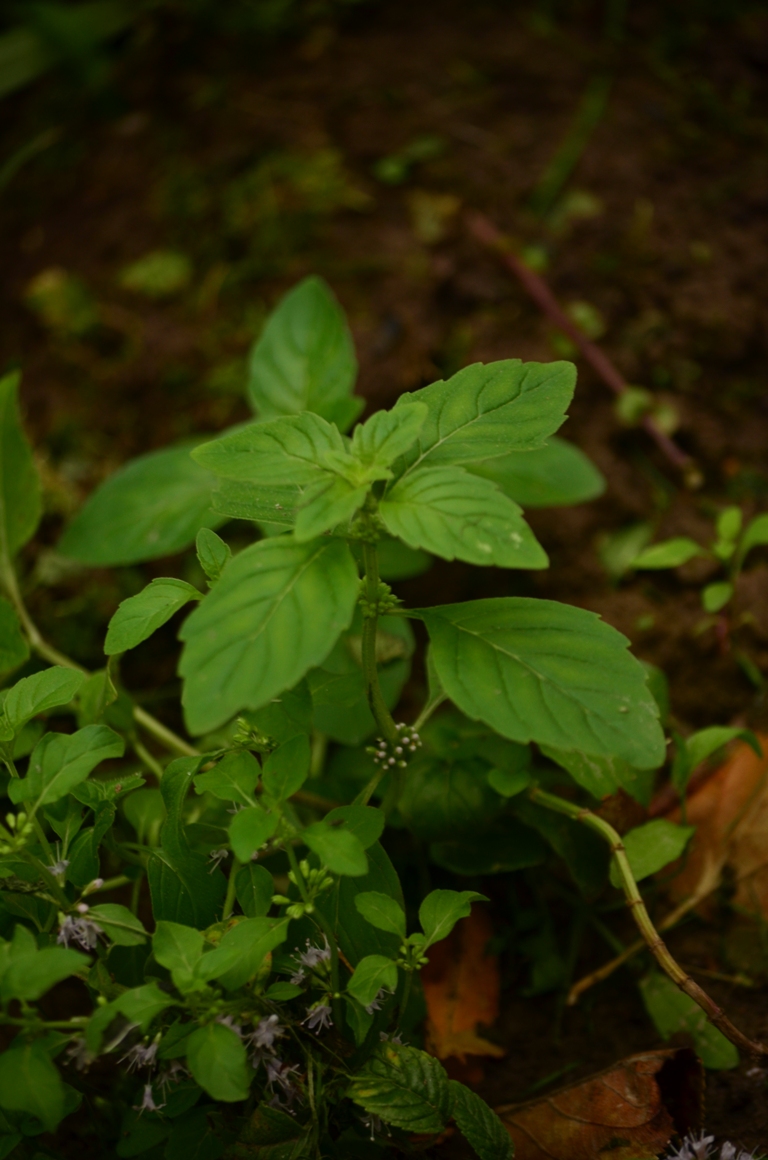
<point x="18" y="824"/>
<point x="247" y="737"/>
<point x="395" y="755"/>
<point x="316" y="880"/>
<point x="385" y="600"/>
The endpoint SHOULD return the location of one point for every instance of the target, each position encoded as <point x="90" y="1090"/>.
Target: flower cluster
<point x="310" y="960"/>
<point x="83" y="931"/>
<point x="702" y="1147"/>
<point x="387" y="755"/>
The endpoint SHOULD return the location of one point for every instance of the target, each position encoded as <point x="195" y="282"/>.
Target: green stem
<point x="40" y="832"/>
<point x="112" y="884"/>
<point x="74" y="1024"/>
<point x="381" y="713"/>
<point x="325" y="927"/>
<point x="51" y="883"/>
<point x="635" y="902"/>
<point x="406" y="996"/>
<point x="229" y="899"/>
<point x="144" y="755"/>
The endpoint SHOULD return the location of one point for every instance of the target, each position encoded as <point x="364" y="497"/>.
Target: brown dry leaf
<point x="730" y="812"/>
<point x="628" y="1112"/>
<point x="461" y="987"/>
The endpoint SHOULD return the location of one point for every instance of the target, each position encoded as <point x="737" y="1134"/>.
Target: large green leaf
<point x="277" y="611"/>
<point x="123" y="927"/>
<point x="537" y="670"/>
<point x="29" y="974"/>
<point x="60" y="761"/>
<point x="404" y="1087"/>
<point x="141" y="615"/>
<point x="479" y="1124"/>
<point x="453" y="514"/>
<point x="20" y="503"/>
<point x="443" y="799"/>
<point x="338" y="849"/>
<point x="305" y="359"/>
<point x="287" y="768"/>
<point x="242" y="951"/>
<point x="14" y="650"/>
<point x="487" y="411"/>
<point x="241" y="500"/>
<point x="217" y="1060"/>
<point x="554" y="475"/>
<point x="29" y="1082"/>
<point x="153" y="506"/>
<point x="602" y="775"/>
<point x="286" y="452"/>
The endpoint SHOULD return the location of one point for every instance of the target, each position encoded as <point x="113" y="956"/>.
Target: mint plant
<point x="249" y="975"/>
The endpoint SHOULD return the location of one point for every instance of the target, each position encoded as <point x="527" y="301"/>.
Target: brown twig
<point x="485" y="232"/>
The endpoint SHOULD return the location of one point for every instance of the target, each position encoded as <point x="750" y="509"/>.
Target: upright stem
<point x="229" y="899"/>
<point x="381" y="713"/>
<point x="325" y="927"/>
<point x="651" y="937"/>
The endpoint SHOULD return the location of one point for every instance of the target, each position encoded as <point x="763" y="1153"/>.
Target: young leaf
<point x="233" y="779"/>
<point x="388" y="434"/>
<point x="179" y="948"/>
<point x="365" y="822"/>
<point x="212" y="553"/>
<point x="305" y="359"/>
<point x="672" y="1011"/>
<point x="40" y="692"/>
<point x="326" y="504"/>
<point x="479" y="1124"/>
<point x="287" y="452"/>
<point x="287" y="768"/>
<point x="382" y="912"/>
<point x="652" y="846"/>
<point x="235" y="654"/>
<point x="716" y="596"/>
<point x="249" y="830"/>
<point x="123" y="927"/>
<point x="453" y="514"/>
<point x="153" y="506"/>
<point x="370" y="975"/>
<point x="14" y="650"/>
<point x="537" y="670"/>
<point x="242" y="951"/>
<point x="705" y="742"/>
<point x="141" y="615"/>
<point x="254" y="887"/>
<point x="60" y="761"/>
<point x="218" y="1062"/>
<point x="487" y="411"/>
<point x="20" y="503"/>
<point x="555" y="475"/>
<point x="340" y="850"/>
<point x="404" y="1087"/>
<point x="668" y="554"/>
<point x="31" y="973"/>
<point x="29" y="1082"/>
<point x="756" y="533"/>
<point x="140" y="1006"/>
<point x="442" y="909"/>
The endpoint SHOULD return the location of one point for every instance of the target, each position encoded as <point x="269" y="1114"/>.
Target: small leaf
<point x="442" y="909"/>
<point x="716" y="596"/>
<point x="14" y="650"/>
<point x="668" y="554"/>
<point x="218" y="1062"/>
<point x="40" y="692"/>
<point x="340" y="850"/>
<point x="365" y="822"/>
<point x="287" y="452"/>
<point x="381" y="911"/>
<point x="509" y="783"/>
<point x="60" y="761"/>
<point x="370" y="975"/>
<point x="29" y="1082"/>
<point x="305" y="358"/>
<point x="330" y="502"/>
<point x="388" y="434"/>
<point x="233" y="779"/>
<point x="242" y="951"/>
<point x="123" y="927"/>
<point x="20" y="502"/>
<point x="249" y="830"/>
<point x="479" y="1124"/>
<point x="212" y="553"/>
<point x="672" y="1011"/>
<point x="705" y="742"/>
<point x="141" y="615"/>
<point x="159" y="274"/>
<point x="287" y="768"/>
<point x="405" y="1087"/>
<point x="652" y="846"/>
<point x="254" y="887"/>
<point x="140" y="1005"/>
<point x="756" y="533"/>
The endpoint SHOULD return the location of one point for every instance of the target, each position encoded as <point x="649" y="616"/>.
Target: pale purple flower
<point x="147" y="1101"/>
<point x="173" y="1073"/>
<point x="83" y="931"/>
<point x="377" y="1000"/>
<point x="282" y="1075"/>
<point x="298" y="977"/>
<point x="216" y="857"/>
<point x="140" y="1055"/>
<point x="314" y="955"/>
<point x="385" y="1037"/>
<point x="229" y="1021"/>
<point x="58" y="867"/>
<point x="79" y="1054"/>
<point x="265" y="1033"/>
<point x="373" y="1123"/>
<point x="318" y="1017"/>
<point x="702" y="1147"/>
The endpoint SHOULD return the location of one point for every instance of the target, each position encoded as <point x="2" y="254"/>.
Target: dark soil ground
<point x="258" y="163"/>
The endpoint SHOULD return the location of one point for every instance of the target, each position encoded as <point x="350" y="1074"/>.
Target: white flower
<point x="217" y="857"/>
<point x="228" y="1021"/>
<point x="318" y="1017"/>
<point x="314" y="955"/>
<point x="58" y="867"/>
<point x="83" y="931"/>
<point x="701" y="1147"/>
<point x="147" y="1101"/>
<point x="140" y="1056"/>
<point x="172" y="1074"/>
<point x="283" y="1075"/>
<point x="79" y="1055"/>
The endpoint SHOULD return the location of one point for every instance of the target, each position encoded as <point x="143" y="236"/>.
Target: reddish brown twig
<point x="488" y="235"/>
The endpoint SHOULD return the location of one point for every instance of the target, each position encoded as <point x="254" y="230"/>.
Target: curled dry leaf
<point x="730" y="812"/>
<point x="630" y="1111"/>
<point x="461" y="989"/>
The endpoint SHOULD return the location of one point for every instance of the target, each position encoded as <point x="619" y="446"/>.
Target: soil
<point x="177" y="152"/>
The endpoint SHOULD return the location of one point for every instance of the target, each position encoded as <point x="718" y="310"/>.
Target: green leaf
<point x="729" y="523"/>
<point x="755" y="533"/>
<point x="153" y="506"/>
<point x="365" y="822"/>
<point x="399" y="562"/>
<point x="382" y="911"/>
<point x="40" y="692"/>
<point x="123" y="928"/>
<point x="287" y="768"/>
<point x="652" y="846"/>
<point x="158" y="274"/>
<point x="267" y="506"/>
<point x="716" y="596"/>
<point x="405" y="1087"/>
<point x="242" y="951"/>
<point x="668" y="554"/>
<point x="29" y="1082"/>
<point x="487" y="411"/>
<point x="338" y="849"/>
<point x="140" y="1005"/>
<point x="371" y="974"/>
<point x="196" y="1136"/>
<point x="584" y="853"/>
<point x="388" y="434"/>
<point x="442" y="909"/>
<point x="254" y="887"/>
<point x="30" y="974"/>
<point x="270" y="1134"/>
<point x="14" y="650"/>
<point x="509" y="783"/>
<point x="672" y="1011"/>
<point x="212" y="553"/>
<point x="453" y="514"/>
<point x="141" y="615"/>
<point x="60" y="761"/>
<point x="250" y="829"/>
<point x="705" y="742"/>
<point x="442" y="798"/>
<point x="356" y="936"/>
<point x="183" y="888"/>
<point x="179" y="948"/>
<point x="506" y="845"/>
<point x="20" y="502"/>
<point x="235" y="654"/>
<point x="233" y="779"/>
<point x="218" y="1062"/>
<point x="555" y="475"/>
<point x="93" y="793"/>
<point x="287" y="452"/>
<point x="283" y="992"/>
<point x="84" y="852"/>
<point x="146" y="812"/>
<point x="602" y="776"/>
<point x="479" y="1124"/>
<point x="537" y="670"/>
<point x="326" y="504"/>
<point x="305" y="358"/>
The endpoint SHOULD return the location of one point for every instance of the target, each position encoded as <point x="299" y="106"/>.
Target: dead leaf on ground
<point x="461" y="987"/>
<point x="730" y="812"/>
<point x="630" y="1111"/>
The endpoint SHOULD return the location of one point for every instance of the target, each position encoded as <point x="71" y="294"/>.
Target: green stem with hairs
<point x="381" y="713"/>
<point x="651" y="937"/>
